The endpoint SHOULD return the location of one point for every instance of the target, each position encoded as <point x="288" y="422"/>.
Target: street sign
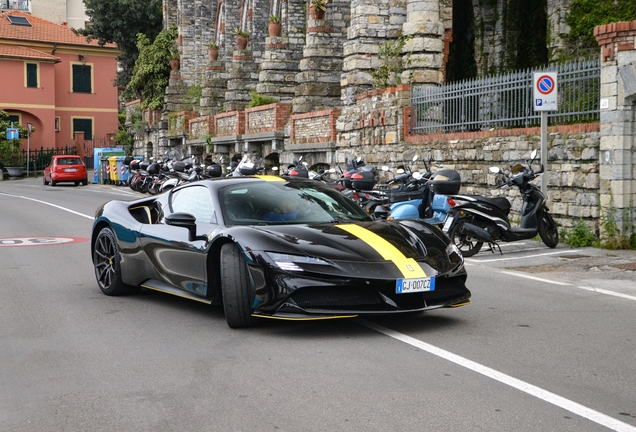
<point x="545" y="91"/>
<point x="13" y="133"/>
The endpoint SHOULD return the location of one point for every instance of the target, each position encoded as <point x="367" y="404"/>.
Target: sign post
<point x="544" y="97"/>
<point x="29" y="129"/>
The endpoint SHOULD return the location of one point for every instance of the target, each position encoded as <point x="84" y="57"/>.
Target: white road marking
<point x="608" y="292"/>
<point x="518" y="258"/>
<point x="544" y="395"/>
<point x="525" y="276"/>
<point x="49" y="204"/>
<point x="586" y="288"/>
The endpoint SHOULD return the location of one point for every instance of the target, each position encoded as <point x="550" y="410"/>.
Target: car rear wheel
<point x="238" y="296"/>
<point x="106" y="259"/>
<point x="53" y="182"/>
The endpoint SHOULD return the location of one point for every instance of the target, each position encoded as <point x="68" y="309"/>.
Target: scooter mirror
<point x="494" y="170"/>
<point x="533" y="154"/>
<point x="275" y="168"/>
<point x="416" y="157"/>
<point x="400" y="171"/>
<point x="385" y="168"/>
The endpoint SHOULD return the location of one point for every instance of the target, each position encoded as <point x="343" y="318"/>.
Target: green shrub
<point x="580" y="235"/>
<point x="259" y="100"/>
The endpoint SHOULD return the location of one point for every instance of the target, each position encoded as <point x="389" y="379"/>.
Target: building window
<point x="83" y="125"/>
<point x="57" y="124"/>
<point x="82" y="78"/>
<point x="32" y="75"/>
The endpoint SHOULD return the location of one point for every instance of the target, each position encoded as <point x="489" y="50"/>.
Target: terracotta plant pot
<point x="316" y="13"/>
<point x="213" y="54"/>
<point x="175" y="63"/>
<point x="274" y="29"/>
<point x="241" y="42"/>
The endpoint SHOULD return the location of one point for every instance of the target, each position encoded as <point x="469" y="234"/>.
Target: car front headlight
<point x="290" y="262"/>
<point x="455" y="255"/>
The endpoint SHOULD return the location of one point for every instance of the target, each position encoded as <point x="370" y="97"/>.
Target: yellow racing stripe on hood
<point x="270" y="178"/>
<point x="408" y="266"/>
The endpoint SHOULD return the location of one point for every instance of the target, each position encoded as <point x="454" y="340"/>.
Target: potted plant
<point x="175" y="59"/>
<point x="241" y="38"/>
<point x="213" y="52"/>
<point x="274" y="26"/>
<point x="317" y="9"/>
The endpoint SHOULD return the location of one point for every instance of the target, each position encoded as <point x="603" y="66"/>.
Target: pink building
<point x="56" y="80"/>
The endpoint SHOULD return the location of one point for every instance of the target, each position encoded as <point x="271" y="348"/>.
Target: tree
<point x="120" y="21"/>
<point x="152" y="71"/>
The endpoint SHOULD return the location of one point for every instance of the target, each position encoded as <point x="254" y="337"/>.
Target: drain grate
<point x="627" y="266"/>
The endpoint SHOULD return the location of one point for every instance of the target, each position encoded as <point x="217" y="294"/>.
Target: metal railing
<point x="505" y="101"/>
<point x="22" y="5"/>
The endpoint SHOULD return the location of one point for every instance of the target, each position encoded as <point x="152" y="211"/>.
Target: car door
<point x="180" y="262"/>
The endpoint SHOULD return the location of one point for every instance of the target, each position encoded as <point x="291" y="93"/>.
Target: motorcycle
<point x="474" y="220"/>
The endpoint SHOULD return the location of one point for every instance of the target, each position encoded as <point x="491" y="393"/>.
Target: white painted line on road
<point x="554" y="399"/>
<point x="525" y="276"/>
<point x="538" y="279"/>
<point x="608" y="292"/>
<point x="517" y="258"/>
<point x="49" y="204"/>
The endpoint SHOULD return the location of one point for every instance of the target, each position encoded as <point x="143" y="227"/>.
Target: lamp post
<point x="29" y="127"/>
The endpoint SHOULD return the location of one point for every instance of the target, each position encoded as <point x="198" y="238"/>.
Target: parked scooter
<point x="474" y="219"/>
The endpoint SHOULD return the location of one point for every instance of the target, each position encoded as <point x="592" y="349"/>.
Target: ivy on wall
<point x="152" y="70"/>
<point x="584" y="15"/>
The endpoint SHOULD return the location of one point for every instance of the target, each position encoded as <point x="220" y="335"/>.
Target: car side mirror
<point x="185" y="220"/>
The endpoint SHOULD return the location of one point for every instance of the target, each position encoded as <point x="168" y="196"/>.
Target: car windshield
<point x="283" y="202"/>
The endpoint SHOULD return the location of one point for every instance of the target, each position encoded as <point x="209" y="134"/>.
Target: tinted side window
<point x="195" y="200"/>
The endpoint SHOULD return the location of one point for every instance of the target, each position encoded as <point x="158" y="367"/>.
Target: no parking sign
<point x="544" y="94"/>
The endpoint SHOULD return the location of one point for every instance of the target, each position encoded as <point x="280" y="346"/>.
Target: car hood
<point x="352" y="241"/>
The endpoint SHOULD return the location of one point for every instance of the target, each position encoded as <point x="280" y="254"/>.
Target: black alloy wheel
<point x="238" y="296"/>
<point x="106" y="260"/>
<point x="548" y="230"/>
<point x="465" y="242"/>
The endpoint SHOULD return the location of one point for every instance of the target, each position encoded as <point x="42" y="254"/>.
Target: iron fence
<point x="505" y="101"/>
<point x="38" y="159"/>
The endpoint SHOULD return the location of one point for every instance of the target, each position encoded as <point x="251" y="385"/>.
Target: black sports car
<point x="273" y="247"/>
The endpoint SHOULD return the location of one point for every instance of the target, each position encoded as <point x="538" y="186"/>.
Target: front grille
<point x="336" y="298"/>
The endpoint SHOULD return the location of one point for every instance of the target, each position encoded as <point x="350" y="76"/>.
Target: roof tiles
<point x="21" y="52"/>
<point x="41" y="31"/>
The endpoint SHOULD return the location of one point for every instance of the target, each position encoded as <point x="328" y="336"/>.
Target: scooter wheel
<point x="548" y="231"/>
<point x="466" y="244"/>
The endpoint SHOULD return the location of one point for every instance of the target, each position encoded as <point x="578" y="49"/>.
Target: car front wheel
<point x="238" y="296"/>
<point x="106" y="260"/>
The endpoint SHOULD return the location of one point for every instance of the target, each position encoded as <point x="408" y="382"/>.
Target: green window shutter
<point x="32" y="75"/>
<point x="84" y="125"/>
<point x="82" y="79"/>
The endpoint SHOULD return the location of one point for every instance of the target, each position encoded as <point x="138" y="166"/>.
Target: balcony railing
<point x="22" y="5"/>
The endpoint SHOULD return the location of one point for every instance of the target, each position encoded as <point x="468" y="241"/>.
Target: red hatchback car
<point x="65" y="168"/>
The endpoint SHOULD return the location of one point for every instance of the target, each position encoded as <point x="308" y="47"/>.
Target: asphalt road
<point x="547" y="344"/>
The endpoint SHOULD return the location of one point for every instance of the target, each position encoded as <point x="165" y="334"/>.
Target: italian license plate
<point x="447" y="224"/>
<point x="405" y="286"/>
<point x="70" y="169"/>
